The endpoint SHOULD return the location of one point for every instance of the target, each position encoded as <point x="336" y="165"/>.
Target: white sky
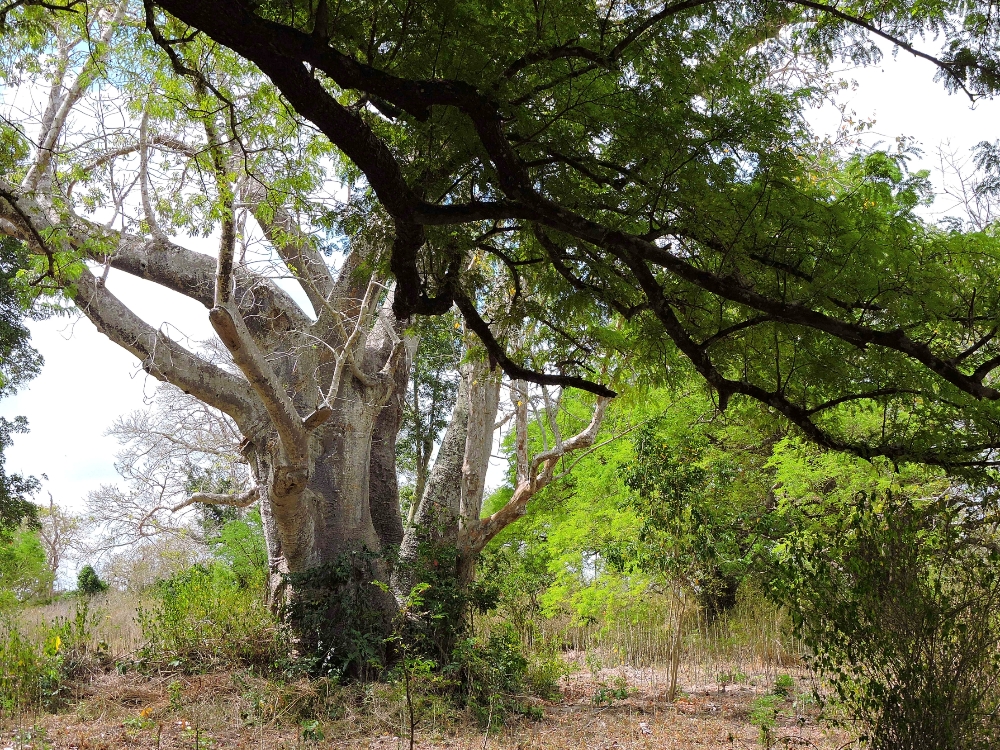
<point x="87" y="381"/>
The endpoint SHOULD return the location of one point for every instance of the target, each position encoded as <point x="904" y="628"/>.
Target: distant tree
<point x="88" y="582"/>
<point x="60" y="532"/>
<point x="19" y="362"/>
<point x="24" y="573"/>
<point x="15" y="489"/>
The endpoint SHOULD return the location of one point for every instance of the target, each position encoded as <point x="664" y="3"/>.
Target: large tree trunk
<point x="317" y="398"/>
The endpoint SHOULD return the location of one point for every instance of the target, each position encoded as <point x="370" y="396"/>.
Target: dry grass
<point x="237" y="710"/>
<point x="111" y="620"/>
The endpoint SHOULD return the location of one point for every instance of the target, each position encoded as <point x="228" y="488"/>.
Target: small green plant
<point x="784" y="685"/>
<point x="607" y="694"/>
<point x="140" y="721"/>
<point x="732" y="677"/>
<point x="593" y="662"/>
<point x="35" y="737"/>
<point x="196" y="738"/>
<point x="311" y="731"/>
<point x="764" y="715"/>
<point x="175" y="695"/>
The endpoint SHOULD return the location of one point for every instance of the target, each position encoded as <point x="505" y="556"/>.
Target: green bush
<point x="203" y="618"/>
<point x="29" y="675"/>
<point x="784" y="684"/>
<point x="900" y="605"/>
<point x="764" y="715"/>
<point x="88" y="582"/>
<point x="33" y="673"/>
<point x="491" y="674"/>
<point x="24" y="572"/>
<point x="240" y="544"/>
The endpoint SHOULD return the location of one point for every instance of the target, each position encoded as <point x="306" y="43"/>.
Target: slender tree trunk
<point x="453" y="497"/>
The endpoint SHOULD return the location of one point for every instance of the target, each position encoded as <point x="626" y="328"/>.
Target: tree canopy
<point x="641" y="174"/>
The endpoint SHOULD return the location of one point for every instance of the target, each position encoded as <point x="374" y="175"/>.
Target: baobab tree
<point x="311" y="364"/>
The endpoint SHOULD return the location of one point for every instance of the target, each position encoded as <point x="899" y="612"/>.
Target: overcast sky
<point x="87" y="381"/>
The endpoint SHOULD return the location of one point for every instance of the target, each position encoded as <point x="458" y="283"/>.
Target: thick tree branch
<point x="243" y="500"/>
<point x="540" y="474"/>
<point x="161" y="356"/>
<point x="289" y="425"/>
<point x="497" y="352"/>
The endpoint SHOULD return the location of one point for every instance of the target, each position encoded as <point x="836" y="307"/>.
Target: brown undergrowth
<point x="618" y="708"/>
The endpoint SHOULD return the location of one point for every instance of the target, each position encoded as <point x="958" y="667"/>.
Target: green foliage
<point x="681" y="498"/>
<point x="24" y="571"/>
<point x="311" y="731"/>
<point x="33" y="672"/>
<point x="203" y="619"/>
<point x="340" y="616"/>
<point x="430" y="396"/>
<point x="19" y="362"/>
<point x="491" y="673"/>
<point x="895" y="589"/>
<point x="240" y="544"/>
<point x="441" y="617"/>
<point x="29" y="675"/>
<point x="784" y="684"/>
<point x="607" y="694"/>
<point x="764" y="715"/>
<point x="88" y="582"/>
<point x="15" y="490"/>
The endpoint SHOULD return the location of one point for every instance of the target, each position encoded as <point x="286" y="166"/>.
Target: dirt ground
<point x="229" y="710"/>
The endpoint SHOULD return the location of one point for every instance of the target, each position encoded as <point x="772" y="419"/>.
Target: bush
<point x="491" y="674"/>
<point x="900" y="604"/>
<point x="88" y="582"/>
<point x="33" y="673"/>
<point x="240" y="544"/>
<point x="202" y="619"/>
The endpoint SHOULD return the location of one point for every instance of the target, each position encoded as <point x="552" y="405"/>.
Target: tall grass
<point x="112" y="623"/>
<point x="755" y="637"/>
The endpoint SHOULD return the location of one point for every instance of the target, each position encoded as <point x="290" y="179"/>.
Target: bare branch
<point x="243" y="500"/>
<point x="48" y="139"/>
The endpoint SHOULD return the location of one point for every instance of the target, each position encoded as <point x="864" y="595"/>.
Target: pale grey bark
<point x="317" y="402"/>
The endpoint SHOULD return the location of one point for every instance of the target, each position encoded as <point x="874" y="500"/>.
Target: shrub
<point x="240" y="544"/>
<point x="88" y="582"/>
<point x="202" y="619"/>
<point x="900" y="604"/>
<point x="784" y="684"/>
<point x="491" y="674"/>
<point x="33" y="672"/>
<point x="764" y="715"/>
